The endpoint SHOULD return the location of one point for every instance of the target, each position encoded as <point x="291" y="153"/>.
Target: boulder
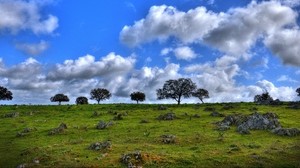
<point x="216" y="114"/>
<point x="103" y="125"/>
<point x="61" y="128"/>
<point x="168" y="139"/>
<point x="118" y="117"/>
<point x="132" y="160"/>
<point x="167" y="116"/>
<point x="100" y="145"/>
<point x="11" y="115"/>
<point x="209" y="109"/>
<point x="286" y="131"/>
<point x="162" y="107"/>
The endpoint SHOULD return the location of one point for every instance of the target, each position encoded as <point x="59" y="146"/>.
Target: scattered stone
<point x="132" y="160"/>
<point x="227" y="107"/>
<point x="11" y="115"/>
<point x="24" y="165"/>
<point x="168" y="139"/>
<point x="95" y="114"/>
<point x="100" y="145"/>
<point x="162" y="107"/>
<point x="216" y="114"/>
<point x="103" y="125"/>
<point x="276" y="102"/>
<point x="233" y="148"/>
<point x="167" y="116"/>
<point x="118" y="117"/>
<point x="209" y="109"/>
<point x="294" y="106"/>
<point x="25" y="132"/>
<point x="286" y="131"/>
<point x="58" y="130"/>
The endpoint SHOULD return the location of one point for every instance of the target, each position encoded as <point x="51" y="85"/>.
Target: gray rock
<point x="11" y="115"/>
<point x="103" y="125"/>
<point x="168" y="139"/>
<point x="61" y="128"/>
<point x="132" y="160"/>
<point x="216" y="114"/>
<point x="167" y="116"/>
<point x="209" y="109"/>
<point x="286" y="131"/>
<point x="100" y="145"/>
<point x="162" y="107"/>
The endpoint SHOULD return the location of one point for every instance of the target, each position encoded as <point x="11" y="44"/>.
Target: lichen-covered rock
<point x="11" y="115"/>
<point x="162" y="107"/>
<point x="118" y="117"/>
<point x="167" y="116"/>
<point x="286" y="131"/>
<point x="100" y="145"/>
<point x="168" y="139"/>
<point x="103" y="125"/>
<point x="61" y="128"/>
<point x="216" y="114"/>
<point x="132" y="160"/>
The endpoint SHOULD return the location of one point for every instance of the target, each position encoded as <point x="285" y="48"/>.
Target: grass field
<point x="197" y="143"/>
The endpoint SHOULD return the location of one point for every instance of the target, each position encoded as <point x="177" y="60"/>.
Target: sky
<point x="234" y="49"/>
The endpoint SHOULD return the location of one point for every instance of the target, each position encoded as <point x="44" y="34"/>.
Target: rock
<point x="276" y="102"/>
<point x="209" y="109"/>
<point x="286" y="131"/>
<point x="242" y="129"/>
<point x="24" y="165"/>
<point x="118" y="117"/>
<point x="100" y="145"/>
<point x="162" y="107"/>
<point x="61" y="128"/>
<point x="11" y="115"/>
<point x="103" y="125"/>
<point x="25" y="132"/>
<point x="168" y="139"/>
<point x="216" y="114"/>
<point x="95" y="114"/>
<point x="132" y="160"/>
<point x="168" y="116"/>
<point x="227" y="107"/>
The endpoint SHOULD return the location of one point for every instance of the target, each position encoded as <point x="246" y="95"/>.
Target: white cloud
<point x="297" y="72"/>
<point x="18" y="15"/>
<point x="166" y="51"/>
<point x="184" y="53"/>
<point x="165" y="21"/>
<point x="291" y="3"/>
<point x="33" y="48"/>
<point x="87" y="67"/>
<point x="285" y="78"/>
<point x="286" y="44"/>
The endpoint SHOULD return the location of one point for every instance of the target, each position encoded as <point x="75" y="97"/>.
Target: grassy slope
<point x="198" y="144"/>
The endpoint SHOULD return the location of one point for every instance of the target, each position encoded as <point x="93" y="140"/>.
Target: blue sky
<point x="234" y="49"/>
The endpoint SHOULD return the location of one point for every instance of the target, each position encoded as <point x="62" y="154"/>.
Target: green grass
<point x="197" y="143"/>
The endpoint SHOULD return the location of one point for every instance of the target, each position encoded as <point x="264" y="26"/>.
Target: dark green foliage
<point x="99" y="94"/>
<point x="176" y="89"/>
<point x="5" y="94"/>
<point x="264" y="98"/>
<point x="201" y="94"/>
<point x="59" y="98"/>
<point x="298" y="91"/>
<point x="81" y="100"/>
<point x="137" y="96"/>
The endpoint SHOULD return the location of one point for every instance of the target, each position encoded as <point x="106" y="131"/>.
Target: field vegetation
<point x="32" y="136"/>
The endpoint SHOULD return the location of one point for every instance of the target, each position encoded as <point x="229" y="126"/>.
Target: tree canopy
<point x="298" y="91"/>
<point x="176" y="89"/>
<point x="59" y="98"/>
<point x="137" y="96"/>
<point x="201" y="94"/>
<point x="99" y="94"/>
<point x="264" y="98"/>
<point x="5" y="94"/>
<point x="82" y="100"/>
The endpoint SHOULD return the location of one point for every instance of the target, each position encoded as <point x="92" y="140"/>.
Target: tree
<point x="59" y="98"/>
<point x="81" y="100"/>
<point x="176" y="89"/>
<point x="137" y="96"/>
<point x="99" y="94"/>
<point x="298" y="91"/>
<point x="5" y="94"/>
<point x="264" y="98"/>
<point x="201" y="94"/>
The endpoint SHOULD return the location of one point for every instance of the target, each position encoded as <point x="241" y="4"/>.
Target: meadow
<point x="197" y="142"/>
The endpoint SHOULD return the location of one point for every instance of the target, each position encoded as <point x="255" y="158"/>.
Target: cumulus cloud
<point x="33" y="48"/>
<point x="19" y="15"/>
<point x="285" y="78"/>
<point x="286" y="45"/>
<point x="181" y="53"/>
<point x="87" y="67"/>
<point x="165" y="21"/>
<point x="234" y="32"/>
<point x="243" y="26"/>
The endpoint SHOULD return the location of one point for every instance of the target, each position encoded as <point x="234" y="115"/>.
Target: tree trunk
<point x="98" y="101"/>
<point x="59" y="103"/>
<point x="178" y="102"/>
<point x="137" y="102"/>
<point x="201" y="100"/>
